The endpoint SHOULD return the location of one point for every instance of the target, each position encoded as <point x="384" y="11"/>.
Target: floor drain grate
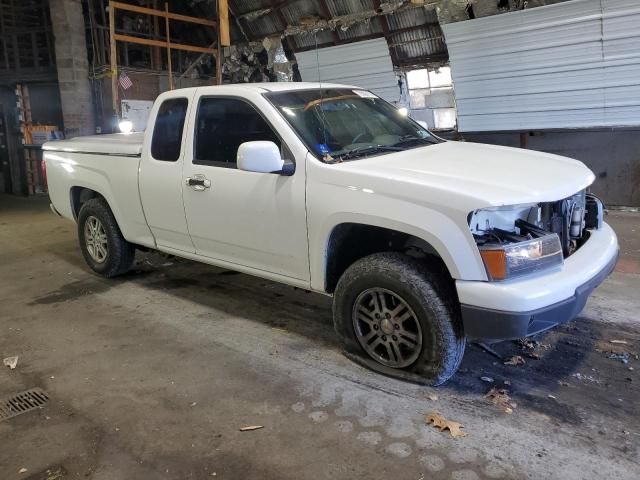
<point x="22" y="402"/>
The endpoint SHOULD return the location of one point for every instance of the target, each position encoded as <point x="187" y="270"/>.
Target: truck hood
<point x="489" y="175"/>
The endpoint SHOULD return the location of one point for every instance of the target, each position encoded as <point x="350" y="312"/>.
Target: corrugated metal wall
<point x="364" y="64"/>
<point x="569" y="65"/>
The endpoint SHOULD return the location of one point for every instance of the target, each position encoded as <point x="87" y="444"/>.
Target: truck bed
<point x="120" y="144"/>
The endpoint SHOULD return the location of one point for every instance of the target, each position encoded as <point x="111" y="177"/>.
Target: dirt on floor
<point x="153" y="375"/>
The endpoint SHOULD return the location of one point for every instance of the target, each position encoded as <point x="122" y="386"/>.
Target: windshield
<point x="345" y="124"/>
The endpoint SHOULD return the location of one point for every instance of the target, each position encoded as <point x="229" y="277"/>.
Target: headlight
<point x="504" y="261"/>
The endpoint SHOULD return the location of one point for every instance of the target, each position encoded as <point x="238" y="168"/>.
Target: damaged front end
<point x="523" y="239"/>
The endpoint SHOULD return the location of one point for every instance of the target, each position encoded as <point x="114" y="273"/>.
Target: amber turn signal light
<point x="495" y="261"/>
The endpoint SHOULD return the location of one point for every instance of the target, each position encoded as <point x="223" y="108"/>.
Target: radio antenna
<point x="323" y="119"/>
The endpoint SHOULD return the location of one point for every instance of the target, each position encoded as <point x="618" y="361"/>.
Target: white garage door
<point x="363" y="64"/>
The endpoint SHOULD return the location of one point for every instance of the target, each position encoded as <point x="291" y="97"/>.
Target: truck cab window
<point x="167" y="133"/>
<point x="222" y="125"/>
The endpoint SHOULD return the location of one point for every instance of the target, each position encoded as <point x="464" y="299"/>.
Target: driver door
<point x="252" y="220"/>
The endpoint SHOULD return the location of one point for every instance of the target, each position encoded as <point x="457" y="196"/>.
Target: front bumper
<point x="521" y="307"/>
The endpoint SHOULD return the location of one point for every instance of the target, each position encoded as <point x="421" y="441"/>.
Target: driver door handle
<point x="198" y="182"/>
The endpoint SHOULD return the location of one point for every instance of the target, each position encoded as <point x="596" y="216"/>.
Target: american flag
<point x="125" y="81"/>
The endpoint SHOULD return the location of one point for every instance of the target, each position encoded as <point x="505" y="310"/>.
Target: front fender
<point x="451" y="240"/>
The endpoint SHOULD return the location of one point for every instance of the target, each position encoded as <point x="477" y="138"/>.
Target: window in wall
<point x="222" y="125"/>
<point x="418" y="78"/>
<point x="431" y="97"/>
<point x="440" y="77"/>
<point x="444" y="118"/>
<point x="167" y="131"/>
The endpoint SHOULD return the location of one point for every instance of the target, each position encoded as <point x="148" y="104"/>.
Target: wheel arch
<point x="79" y="195"/>
<point x="348" y="242"/>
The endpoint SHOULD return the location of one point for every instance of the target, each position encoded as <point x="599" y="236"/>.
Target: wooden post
<point x="224" y="39"/>
<point x="166" y="23"/>
<point x="223" y="23"/>
<point x="219" y="63"/>
<point x="114" y="59"/>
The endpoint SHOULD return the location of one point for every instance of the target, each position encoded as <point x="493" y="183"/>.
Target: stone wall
<point x="73" y="68"/>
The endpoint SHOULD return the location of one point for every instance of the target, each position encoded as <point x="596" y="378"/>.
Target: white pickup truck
<point x="423" y="243"/>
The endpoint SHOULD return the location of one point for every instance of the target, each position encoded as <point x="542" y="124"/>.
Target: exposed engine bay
<point x="522" y="239"/>
<point x="570" y="219"/>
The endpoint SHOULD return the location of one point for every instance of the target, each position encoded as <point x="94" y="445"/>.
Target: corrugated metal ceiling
<point x="414" y="35"/>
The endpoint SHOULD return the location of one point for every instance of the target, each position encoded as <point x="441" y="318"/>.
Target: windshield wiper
<point x="357" y="152"/>
<point x="412" y="139"/>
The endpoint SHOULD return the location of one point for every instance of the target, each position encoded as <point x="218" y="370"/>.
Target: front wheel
<point x="403" y="315"/>
<point x="104" y="248"/>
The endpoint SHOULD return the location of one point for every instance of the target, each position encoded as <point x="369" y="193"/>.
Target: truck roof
<point x="131" y="144"/>
<point x="267" y="87"/>
<point x="288" y="86"/>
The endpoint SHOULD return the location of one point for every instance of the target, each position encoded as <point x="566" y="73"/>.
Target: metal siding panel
<point x="569" y="65"/>
<point x="364" y="64"/>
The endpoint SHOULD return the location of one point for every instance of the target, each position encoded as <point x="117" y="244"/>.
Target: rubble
<point x="264" y="61"/>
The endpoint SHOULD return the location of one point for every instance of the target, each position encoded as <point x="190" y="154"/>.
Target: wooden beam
<point x="163" y="44"/>
<point x="160" y="13"/>
<point x="223" y="19"/>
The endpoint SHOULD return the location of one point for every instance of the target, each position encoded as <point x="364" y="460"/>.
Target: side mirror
<point x="261" y="156"/>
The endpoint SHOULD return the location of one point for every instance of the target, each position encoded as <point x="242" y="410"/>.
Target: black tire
<point x="119" y="253"/>
<point x="426" y="288"/>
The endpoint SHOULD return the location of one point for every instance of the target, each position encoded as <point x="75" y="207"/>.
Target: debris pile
<point x="264" y="61"/>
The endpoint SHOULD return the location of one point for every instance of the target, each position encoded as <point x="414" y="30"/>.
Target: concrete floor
<point x="152" y="375"/>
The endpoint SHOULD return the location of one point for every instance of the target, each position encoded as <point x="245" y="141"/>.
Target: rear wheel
<point x="104" y="248"/>
<point x="403" y="315"/>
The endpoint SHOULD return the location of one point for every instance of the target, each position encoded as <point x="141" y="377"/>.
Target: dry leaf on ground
<point x="441" y="423"/>
<point x="251" y="427"/>
<point x="500" y="397"/>
<point x="515" y="360"/>
<point x="433" y="397"/>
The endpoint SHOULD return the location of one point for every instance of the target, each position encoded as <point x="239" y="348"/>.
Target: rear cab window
<point x="166" y="141"/>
